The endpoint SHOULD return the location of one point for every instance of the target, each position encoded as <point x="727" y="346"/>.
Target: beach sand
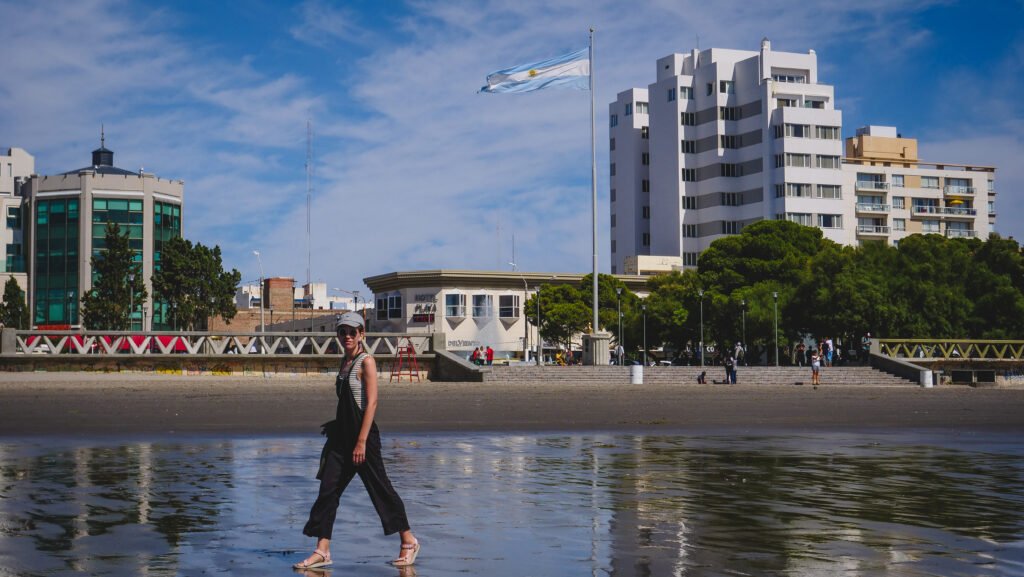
<point x="146" y="404"/>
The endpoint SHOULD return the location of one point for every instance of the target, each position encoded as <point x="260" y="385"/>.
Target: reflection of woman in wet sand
<point x="353" y="448"/>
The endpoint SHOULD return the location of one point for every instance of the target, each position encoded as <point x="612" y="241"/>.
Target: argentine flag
<point x="566" y="71"/>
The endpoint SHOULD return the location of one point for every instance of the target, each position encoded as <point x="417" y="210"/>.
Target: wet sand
<point x="65" y="404"/>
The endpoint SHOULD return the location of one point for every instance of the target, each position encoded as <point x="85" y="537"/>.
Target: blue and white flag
<point x="566" y="71"/>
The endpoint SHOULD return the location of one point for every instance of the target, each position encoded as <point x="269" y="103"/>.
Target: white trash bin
<point x="636" y="374"/>
<point x="926" y="379"/>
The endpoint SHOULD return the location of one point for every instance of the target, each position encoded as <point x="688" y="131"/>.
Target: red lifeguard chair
<point x="406" y="364"/>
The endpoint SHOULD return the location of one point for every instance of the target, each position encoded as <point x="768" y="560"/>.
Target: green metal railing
<point x="950" y="349"/>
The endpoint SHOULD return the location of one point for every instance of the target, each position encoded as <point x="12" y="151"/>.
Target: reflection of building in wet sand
<point x="86" y="504"/>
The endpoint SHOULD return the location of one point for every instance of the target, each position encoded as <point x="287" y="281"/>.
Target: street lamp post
<point x="775" y="298"/>
<point x="618" y="308"/>
<point x="131" y="300"/>
<point x="526" y="327"/>
<point x="700" y="293"/>
<point x="263" y="325"/>
<point x="743" y="303"/>
<point x="643" y="308"/>
<point x="540" y="340"/>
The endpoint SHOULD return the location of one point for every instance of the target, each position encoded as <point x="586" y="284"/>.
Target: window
<point x="395" y="307"/>
<point x="729" y="141"/>
<point x="613" y="245"/>
<point x="780" y="190"/>
<point x="647" y="212"/>
<point x="690" y="230"/>
<point x="899" y="202"/>
<point x="508" y="306"/>
<point x="711" y="88"/>
<point x="14" y="217"/>
<point x="991" y="186"/>
<point x="793" y="159"/>
<point x="828" y="161"/>
<point x="729" y="113"/>
<point x="689" y="203"/>
<point x="645" y="185"/>
<point x="930" y="226"/>
<point x="799" y="218"/>
<point x="611" y="144"/>
<point x="646" y="239"/>
<point x="834" y="191"/>
<point x="690" y="258"/>
<point x="991" y="206"/>
<point x="827" y="132"/>
<point x="671" y="94"/>
<point x="811" y="103"/>
<point x="629" y="109"/>
<point x="645" y="158"/>
<point x="611" y="169"/>
<point x="786" y="102"/>
<point x="645" y="132"/>
<point x="798" y="189"/>
<point x="382" y="308"/>
<point x="689" y="174"/>
<point x="830" y="221"/>
<point x="780" y="161"/>
<point x="791" y="78"/>
<point x="730" y="199"/>
<point x="929" y="182"/>
<point x="731" y="170"/>
<point x="899" y="224"/>
<point x="731" y="227"/>
<point x="482" y="306"/>
<point x="641" y="108"/>
<point x="613" y="221"/>
<point x="687" y="118"/>
<point x="614" y="120"/>
<point x="688" y="146"/>
<point x="897" y="181"/>
<point x="798" y="130"/>
<point x="685" y="93"/>
<point x="727" y="87"/>
<point x="455" y="305"/>
<point x="613" y="195"/>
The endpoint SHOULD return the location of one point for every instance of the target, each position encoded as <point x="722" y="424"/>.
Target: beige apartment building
<point x="15" y="169"/>
<point x="898" y="194"/>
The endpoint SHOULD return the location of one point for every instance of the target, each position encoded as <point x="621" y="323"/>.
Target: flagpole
<point x="593" y="177"/>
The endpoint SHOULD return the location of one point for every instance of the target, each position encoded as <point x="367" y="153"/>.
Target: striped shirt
<point x="355" y="380"/>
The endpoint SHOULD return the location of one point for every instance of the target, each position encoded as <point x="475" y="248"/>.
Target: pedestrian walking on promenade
<point x="353" y="448"/>
<point x="815" y="367"/>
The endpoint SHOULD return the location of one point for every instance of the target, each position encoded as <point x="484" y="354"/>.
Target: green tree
<point x="106" y="306"/>
<point x="563" y="313"/>
<point x="193" y="284"/>
<point x="14" y="311"/>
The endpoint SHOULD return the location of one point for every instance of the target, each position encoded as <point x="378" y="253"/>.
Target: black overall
<point x="337" y="468"/>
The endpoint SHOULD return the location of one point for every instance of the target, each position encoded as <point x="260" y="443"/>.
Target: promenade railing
<point x="951" y="349"/>
<point x="276" y="344"/>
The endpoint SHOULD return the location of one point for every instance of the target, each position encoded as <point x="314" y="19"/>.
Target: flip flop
<point x="325" y="561"/>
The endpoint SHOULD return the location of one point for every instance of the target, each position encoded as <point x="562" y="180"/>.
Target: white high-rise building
<point x="725" y="138"/>
<point x="15" y="168"/>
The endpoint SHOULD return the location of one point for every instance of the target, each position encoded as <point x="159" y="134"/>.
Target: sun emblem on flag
<point x="533" y="73"/>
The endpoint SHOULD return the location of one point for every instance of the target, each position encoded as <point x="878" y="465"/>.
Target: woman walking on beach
<point x="353" y="448"/>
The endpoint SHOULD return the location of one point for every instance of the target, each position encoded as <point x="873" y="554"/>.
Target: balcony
<point x="872" y="185"/>
<point x="868" y="229"/>
<point x="961" y="190"/>
<point x="945" y="211"/>
<point x="960" y="233"/>
<point x="872" y="207"/>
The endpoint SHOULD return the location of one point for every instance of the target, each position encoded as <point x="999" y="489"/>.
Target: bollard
<point x="636" y="374"/>
<point x="926" y="379"/>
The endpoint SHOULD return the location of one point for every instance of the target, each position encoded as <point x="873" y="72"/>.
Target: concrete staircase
<point x="613" y="375"/>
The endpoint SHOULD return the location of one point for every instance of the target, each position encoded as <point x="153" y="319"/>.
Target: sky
<point x="411" y="167"/>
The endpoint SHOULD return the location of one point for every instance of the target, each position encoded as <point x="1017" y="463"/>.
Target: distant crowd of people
<point x="482" y="356"/>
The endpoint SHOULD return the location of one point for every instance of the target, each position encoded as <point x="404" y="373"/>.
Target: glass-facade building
<point x="146" y="208"/>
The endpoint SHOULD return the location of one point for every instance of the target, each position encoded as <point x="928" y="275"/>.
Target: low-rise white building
<point x="15" y="169"/>
<point x="472" y="308"/>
